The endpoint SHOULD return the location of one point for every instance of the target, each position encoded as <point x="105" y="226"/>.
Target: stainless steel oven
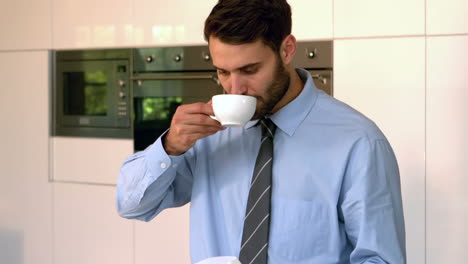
<point x="167" y="77"/>
<point x="163" y="79"/>
<point x="91" y="95"/>
<point x="317" y="58"/>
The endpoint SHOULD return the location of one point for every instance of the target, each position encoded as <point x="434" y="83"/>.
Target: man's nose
<point x="238" y="85"/>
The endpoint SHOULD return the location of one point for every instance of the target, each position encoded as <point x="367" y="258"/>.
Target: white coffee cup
<point x="220" y="260"/>
<point x="233" y="110"/>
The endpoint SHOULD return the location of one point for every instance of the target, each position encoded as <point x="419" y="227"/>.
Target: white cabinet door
<point x="165" y="239"/>
<point x="175" y="22"/>
<point x="87" y="228"/>
<point x="447" y="16"/>
<point x="384" y="79"/>
<point x="88" y="160"/>
<point x="25" y="193"/>
<point x="363" y="18"/>
<point x="89" y="23"/>
<point x="180" y="22"/>
<point x="447" y="150"/>
<point x="25" y="24"/>
<point x="312" y="19"/>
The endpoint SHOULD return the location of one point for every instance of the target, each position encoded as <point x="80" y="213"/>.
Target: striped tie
<point x="254" y="245"/>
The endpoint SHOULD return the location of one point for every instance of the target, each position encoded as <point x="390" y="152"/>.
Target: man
<point x="334" y="195"/>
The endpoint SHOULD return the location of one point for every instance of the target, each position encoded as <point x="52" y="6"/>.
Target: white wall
<point x="401" y="62"/>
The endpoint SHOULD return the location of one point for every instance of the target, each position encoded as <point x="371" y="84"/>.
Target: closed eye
<point x="222" y="72"/>
<point x="249" y="70"/>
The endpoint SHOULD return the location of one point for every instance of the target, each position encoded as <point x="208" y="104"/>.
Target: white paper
<point x="220" y="260"/>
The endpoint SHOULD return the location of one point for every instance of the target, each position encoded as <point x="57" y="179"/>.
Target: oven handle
<point x="214" y="78"/>
<point x="321" y="78"/>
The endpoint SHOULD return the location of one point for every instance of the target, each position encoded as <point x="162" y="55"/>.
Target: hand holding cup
<point x="190" y="123"/>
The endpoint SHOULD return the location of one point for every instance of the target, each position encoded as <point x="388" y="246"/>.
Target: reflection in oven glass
<point x="153" y="116"/>
<point x="159" y="108"/>
<point x="85" y="93"/>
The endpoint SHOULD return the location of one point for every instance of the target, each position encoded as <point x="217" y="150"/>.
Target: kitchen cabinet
<point x="25" y="192"/>
<point x="89" y="23"/>
<point x="181" y="22"/>
<point x="123" y="23"/>
<point x="25" y="25"/>
<point x="363" y="18"/>
<point x="169" y="23"/>
<point x="165" y="239"/>
<point x="312" y="19"/>
<point x="88" y="160"/>
<point x="446" y="17"/>
<point x="447" y="149"/>
<point x="87" y="228"/>
<point x="385" y="80"/>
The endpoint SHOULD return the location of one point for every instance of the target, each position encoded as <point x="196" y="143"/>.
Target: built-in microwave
<point x="92" y="93"/>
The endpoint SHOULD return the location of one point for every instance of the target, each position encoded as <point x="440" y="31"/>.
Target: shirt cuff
<point x="158" y="159"/>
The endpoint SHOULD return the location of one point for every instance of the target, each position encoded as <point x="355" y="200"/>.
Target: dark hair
<point x="246" y="21"/>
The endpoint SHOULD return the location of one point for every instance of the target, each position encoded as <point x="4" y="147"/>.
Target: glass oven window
<point x="159" y="108"/>
<point x="153" y="116"/>
<point x="85" y="93"/>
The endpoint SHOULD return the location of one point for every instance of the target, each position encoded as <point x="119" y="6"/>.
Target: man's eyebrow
<point x="240" y="68"/>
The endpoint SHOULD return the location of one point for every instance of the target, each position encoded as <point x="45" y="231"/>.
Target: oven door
<point x="91" y="94"/>
<point x="157" y="96"/>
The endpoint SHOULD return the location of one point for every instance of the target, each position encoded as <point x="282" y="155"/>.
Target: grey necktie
<point x="254" y="246"/>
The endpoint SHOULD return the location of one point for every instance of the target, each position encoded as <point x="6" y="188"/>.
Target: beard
<point x="274" y="92"/>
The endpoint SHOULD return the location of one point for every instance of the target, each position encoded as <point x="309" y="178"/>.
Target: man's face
<point x="251" y="69"/>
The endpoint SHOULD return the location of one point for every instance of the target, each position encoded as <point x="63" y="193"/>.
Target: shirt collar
<point x="291" y="115"/>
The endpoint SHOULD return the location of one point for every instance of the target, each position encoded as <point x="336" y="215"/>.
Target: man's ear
<point x="288" y="49"/>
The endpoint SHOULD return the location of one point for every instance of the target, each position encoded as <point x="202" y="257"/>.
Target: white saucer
<point x="220" y="260"/>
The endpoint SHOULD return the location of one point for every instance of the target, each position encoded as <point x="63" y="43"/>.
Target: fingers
<point x="188" y="140"/>
<point x="195" y="114"/>
<point x="197" y="108"/>
<point x="189" y="124"/>
<point x="195" y="121"/>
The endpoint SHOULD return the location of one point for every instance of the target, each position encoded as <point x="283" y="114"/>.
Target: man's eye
<point x="222" y="72"/>
<point x="250" y="70"/>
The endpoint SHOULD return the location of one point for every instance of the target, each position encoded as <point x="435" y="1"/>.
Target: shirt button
<point x="174" y="165"/>
<point x="163" y="165"/>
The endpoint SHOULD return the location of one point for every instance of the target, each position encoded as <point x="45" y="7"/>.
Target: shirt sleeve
<point x="371" y="204"/>
<point x="151" y="181"/>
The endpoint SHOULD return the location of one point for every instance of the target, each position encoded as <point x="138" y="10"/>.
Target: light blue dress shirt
<point x="336" y="189"/>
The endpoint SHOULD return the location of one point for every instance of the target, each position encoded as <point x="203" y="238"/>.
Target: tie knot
<point x="268" y="127"/>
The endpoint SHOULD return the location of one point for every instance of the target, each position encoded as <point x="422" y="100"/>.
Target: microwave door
<point x="86" y="93"/>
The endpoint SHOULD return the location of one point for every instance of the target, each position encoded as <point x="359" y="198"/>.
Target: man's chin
<point x="261" y="111"/>
<point x="257" y="115"/>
